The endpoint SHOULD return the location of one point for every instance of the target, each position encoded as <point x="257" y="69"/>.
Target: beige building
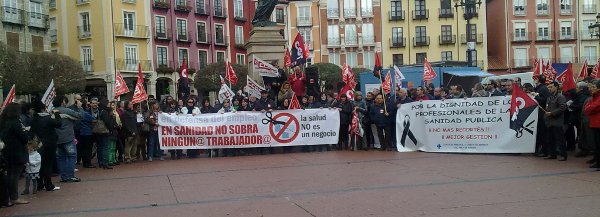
<point x="25" y="25"/>
<point x="304" y="19"/>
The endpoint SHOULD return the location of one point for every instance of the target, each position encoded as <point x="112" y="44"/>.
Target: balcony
<point x="12" y="15"/>
<point x="52" y="4"/>
<point x="421" y="41"/>
<point x="542" y="10"/>
<point x="566" y="36"/>
<point x="38" y="20"/>
<point x="129" y="1"/>
<point x="478" y="38"/>
<point x="396" y="15"/>
<point x="333" y="13"/>
<point x="445" y="13"/>
<point x="521" y="63"/>
<point x="183" y="6"/>
<point x="566" y="10"/>
<point x="521" y="37"/>
<point x="333" y="42"/>
<point x="80" y="2"/>
<point x="586" y="35"/>
<point x="349" y="12"/>
<point x="161" y="4"/>
<point x="87" y="65"/>
<point x="222" y="41"/>
<point x="132" y="65"/>
<point x="240" y="44"/>
<point x="303" y="21"/>
<point x="447" y="39"/>
<point x="366" y="12"/>
<point x="520" y="10"/>
<point x="202" y="9"/>
<point x="351" y="41"/>
<point x="471" y="11"/>
<point x="84" y="32"/>
<point x="184" y="36"/>
<point x="420" y="14"/>
<point x="53" y="36"/>
<point x="368" y="40"/>
<point x="543" y="36"/>
<point x="397" y="42"/>
<point x="589" y="9"/>
<point x="221" y="12"/>
<point x="162" y="34"/>
<point x="131" y="31"/>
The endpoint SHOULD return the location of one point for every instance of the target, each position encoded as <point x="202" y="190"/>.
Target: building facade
<point x="106" y="36"/>
<point x="433" y="29"/>
<point x="555" y="31"/>
<point x="304" y="19"/>
<point x="25" y="25"/>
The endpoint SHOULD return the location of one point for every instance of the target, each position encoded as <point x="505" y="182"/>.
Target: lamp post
<point x="595" y="26"/>
<point x="469" y="8"/>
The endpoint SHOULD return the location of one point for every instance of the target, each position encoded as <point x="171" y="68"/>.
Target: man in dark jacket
<point x="345" y="108"/>
<point x="379" y="115"/>
<point x="44" y="127"/>
<point x="129" y="130"/>
<point x="541" y="95"/>
<point x="554" y="117"/>
<point x="264" y="103"/>
<point x="576" y="108"/>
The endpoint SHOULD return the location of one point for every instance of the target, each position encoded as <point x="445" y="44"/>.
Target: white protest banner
<point x="473" y="125"/>
<point x="49" y="96"/>
<point x="249" y="129"/>
<point x="225" y="93"/>
<point x="253" y="88"/>
<point x="264" y="68"/>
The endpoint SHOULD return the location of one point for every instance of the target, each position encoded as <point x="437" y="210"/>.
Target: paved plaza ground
<point x="337" y="183"/>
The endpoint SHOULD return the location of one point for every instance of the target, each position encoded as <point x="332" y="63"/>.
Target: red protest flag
<point x="387" y="83"/>
<point x="348" y="76"/>
<point x="139" y="95"/>
<point x="550" y="73"/>
<point x="184" y="71"/>
<point x="230" y="74"/>
<point x="346" y="90"/>
<point x="596" y="70"/>
<point x="566" y="78"/>
<point x="120" y="85"/>
<point x="9" y="98"/>
<point x="298" y="51"/>
<point x="428" y="73"/>
<point x="294" y="104"/>
<point x="583" y="72"/>
<point x="287" y="59"/>
<point x="538" y="70"/>
<point x="378" y="66"/>
<point x="354" y="126"/>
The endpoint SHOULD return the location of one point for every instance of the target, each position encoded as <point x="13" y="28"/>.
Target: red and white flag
<point x="49" y="96"/>
<point x="139" y="95"/>
<point x="387" y="83"/>
<point x="346" y="90"/>
<point x="184" y="71"/>
<point x="583" y="72"/>
<point x="120" y="85"/>
<point x="428" y="73"/>
<point x="294" y="104"/>
<point x="230" y="74"/>
<point x="398" y="76"/>
<point x="538" y="69"/>
<point x="9" y="98"/>
<point x="287" y="59"/>
<point x="550" y="73"/>
<point x="596" y="70"/>
<point x="567" y="78"/>
<point x="348" y="76"/>
<point x="354" y="127"/>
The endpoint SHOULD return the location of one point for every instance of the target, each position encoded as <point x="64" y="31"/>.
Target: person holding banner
<point x="244" y="106"/>
<point x="264" y="103"/>
<point x="346" y="108"/>
<point x="153" y="148"/>
<point x="189" y="109"/>
<point x="379" y="116"/>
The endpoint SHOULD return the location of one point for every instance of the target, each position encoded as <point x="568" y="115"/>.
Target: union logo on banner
<point x="264" y="68"/>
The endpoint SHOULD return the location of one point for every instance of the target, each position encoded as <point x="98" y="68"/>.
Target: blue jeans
<point x="153" y="149"/>
<point x="102" y="150"/>
<point x="66" y="155"/>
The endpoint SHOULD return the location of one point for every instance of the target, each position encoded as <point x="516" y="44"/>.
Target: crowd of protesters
<point x="40" y="144"/>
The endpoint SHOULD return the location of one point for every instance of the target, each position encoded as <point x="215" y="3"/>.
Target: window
<point x="519" y="7"/>
<point x="351" y="59"/>
<point x="521" y="57"/>
<point x="11" y="12"/>
<point x="368" y="35"/>
<point x="201" y="29"/>
<point x="220" y="56"/>
<point x="12" y="40"/>
<point x="396" y="12"/>
<point x="218" y="5"/>
<point x="421" y="58"/>
<point x="589" y="7"/>
<point x="53" y="32"/>
<point x="333" y="35"/>
<point x="36" y="14"/>
<point x="181" y="2"/>
<point x="182" y="30"/>
<point x="37" y="43"/>
<point x="447" y="34"/>
<point x="368" y="59"/>
<point x="162" y="57"/>
<point x="543" y="53"/>
<point x="565" y="6"/>
<point x="590" y="53"/>
<point x="398" y="59"/>
<point x="240" y="58"/>
<point x="279" y="15"/>
<point x="397" y="37"/>
<point x="543" y="32"/>
<point x="219" y="34"/>
<point x="160" y="26"/>
<point x="200" y="8"/>
<point x="334" y="58"/>
<point x="333" y="10"/>
<point x="202" y="59"/>
<point x="183" y="55"/>
<point x="446" y="7"/>
<point x="420" y="9"/>
<point x="84" y="30"/>
<point x="566" y="54"/>
<point x="470" y="8"/>
<point x="565" y="30"/>
<point x="131" y="57"/>
<point x="239" y="35"/>
<point x="306" y="34"/>
<point x="446" y="55"/>
<point x="421" y="34"/>
<point x="542" y="7"/>
<point x="350" y="34"/>
<point x="304" y="16"/>
<point x="129" y="23"/>
<point x="520" y="31"/>
<point x="86" y="58"/>
<point x="472" y="33"/>
<point x="349" y="8"/>
<point x="238" y="8"/>
<point x="366" y="7"/>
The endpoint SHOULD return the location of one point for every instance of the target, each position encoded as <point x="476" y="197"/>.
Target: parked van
<point x="526" y="77"/>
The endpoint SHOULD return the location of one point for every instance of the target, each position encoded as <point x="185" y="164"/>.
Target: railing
<point x="421" y="41"/>
<point x="566" y="10"/>
<point x="540" y="10"/>
<point x="543" y="37"/>
<point x="445" y="13"/>
<point x="478" y="38"/>
<point x="420" y="14"/>
<point x="53" y="36"/>
<point x="520" y="10"/>
<point x="132" y="64"/>
<point x="161" y="4"/>
<point x="565" y="36"/>
<point x="129" y="1"/>
<point x="398" y="15"/>
<point x="202" y="9"/>
<point x="221" y="12"/>
<point x="224" y="41"/>
<point x="588" y="35"/>
<point x="303" y="21"/>
<point x="589" y="9"/>
<point x="12" y="15"/>
<point x="84" y="32"/>
<point x="333" y="42"/>
<point x="396" y="42"/>
<point x="350" y="12"/>
<point x="52" y="4"/>
<point x="38" y="20"/>
<point x="472" y="11"/>
<point x="183" y="6"/>
<point x="79" y="2"/>
<point x="184" y="36"/>
<point x="447" y="39"/>
<point x="366" y="12"/>
<point x="521" y="37"/>
<point x="333" y="13"/>
<point x="87" y="65"/>
<point x="368" y="40"/>
<point x="351" y="40"/>
<point x="163" y="35"/>
<point x="521" y="63"/>
<point x="131" y="31"/>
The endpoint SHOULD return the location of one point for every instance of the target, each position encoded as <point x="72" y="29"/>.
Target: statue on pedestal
<point x="262" y="15"/>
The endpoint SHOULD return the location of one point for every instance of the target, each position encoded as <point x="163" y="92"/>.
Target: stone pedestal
<point x="267" y="44"/>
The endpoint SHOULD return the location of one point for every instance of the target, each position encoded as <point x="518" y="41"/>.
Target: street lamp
<point x="595" y="26"/>
<point x="469" y="7"/>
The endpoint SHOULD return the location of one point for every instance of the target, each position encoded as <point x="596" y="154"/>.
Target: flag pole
<point x="382" y="91"/>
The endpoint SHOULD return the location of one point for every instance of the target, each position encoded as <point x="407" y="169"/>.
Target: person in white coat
<point x="32" y="169"/>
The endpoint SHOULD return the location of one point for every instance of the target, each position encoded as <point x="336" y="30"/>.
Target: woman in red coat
<point x="592" y="110"/>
